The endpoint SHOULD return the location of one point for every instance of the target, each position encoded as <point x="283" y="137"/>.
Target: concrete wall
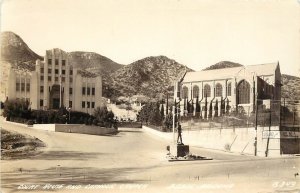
<point x="84" y="129"/>
<point x="241" y="140"/>
<point x="45" y="127"/>
<point x="75" y="128"/>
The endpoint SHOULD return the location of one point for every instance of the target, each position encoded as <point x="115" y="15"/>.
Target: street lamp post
<point x="69" y="109"/>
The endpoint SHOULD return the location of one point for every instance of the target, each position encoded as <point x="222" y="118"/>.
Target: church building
<point x="229" y="88"/>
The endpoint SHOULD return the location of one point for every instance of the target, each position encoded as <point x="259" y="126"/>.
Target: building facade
<point x="55" y="83"/>
<point x="229" y="87"/>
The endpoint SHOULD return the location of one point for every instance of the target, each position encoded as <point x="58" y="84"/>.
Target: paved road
<point x="134" y="161"/>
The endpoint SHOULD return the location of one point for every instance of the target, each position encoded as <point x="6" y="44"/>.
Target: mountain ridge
<point x="149" y="76"/>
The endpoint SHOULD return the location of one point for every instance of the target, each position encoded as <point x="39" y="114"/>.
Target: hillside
<point x="149" y="76"/>
<point x="93" y="62"/>
<point x="16" y="52"/>
<point x="223" y="64"/>
<point x="291" y="87"/>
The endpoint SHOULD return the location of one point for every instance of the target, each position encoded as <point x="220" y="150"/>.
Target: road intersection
<point x="135" y="161"/>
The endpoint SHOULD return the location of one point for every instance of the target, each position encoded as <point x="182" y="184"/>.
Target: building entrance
<point x="55" y="97"/>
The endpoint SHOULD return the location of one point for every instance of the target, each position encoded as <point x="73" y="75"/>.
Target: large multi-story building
<point x="55" y="83"/>
<point x="238" y="87"/>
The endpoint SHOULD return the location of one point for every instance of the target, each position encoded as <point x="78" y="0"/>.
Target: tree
<point x="167" y="105"/>
<point x="192" y="108"/>
<point x="210" y="110"/>
<point x="155" y="117"/>
<point x="162" y="112"/>
<point x="17" y="109"/>
<point x="227" y="107"/>
<point x="216" y="108"/>
<point x="198" y="108"/>
<point x="184" y="106"/>
<point x="168" y="121"/>
<point x="205" y="108"/>
<point x="103" y="116"/>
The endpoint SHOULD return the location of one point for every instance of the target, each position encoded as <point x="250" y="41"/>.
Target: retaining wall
<point x="84" y="129"/>
<point x="240" y="140"/>
<point x="76" y="128"/>
<point x="45" y="127"/>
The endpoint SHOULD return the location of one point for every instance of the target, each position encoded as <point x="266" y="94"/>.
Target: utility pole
<point x="60" y="102"/>
<point x="174" y="123"/>
<point x="268" y="141"/>
<point x="256" y="113"/>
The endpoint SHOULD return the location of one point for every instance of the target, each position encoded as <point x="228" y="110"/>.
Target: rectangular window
<point x="93" y="91"/>
<point x="88" y="104"/>
<point x="63" y="62"/>
<point x="63" y="71"/>
<point x="70" y="104"/>
<point x="27" y="87"/>
<point x="83" y="90"/>
<point x="56" y="61"/>
<point x="49" y="71"/>
<point x="83" y="104"/>
<point x="42" y="70"/>
<point x="49" y="78"/>
<point x="88" y="91"/>
<point x="70" y="90"/>
<point x="17" y="86"/>
<point x="22" y="86"/>
<point x="56" y="78"/>
<point x="71" y="72"/>
<point x="41" y="88"/>
<point x="93" y="104"/>
<point x="41" y="103"/>
<point x="56" y="71"/>
<point x="42" y="77"/>
<point x="63" y="79"/>
<point x="71" y="79"/>
<point x="49" y="61"/>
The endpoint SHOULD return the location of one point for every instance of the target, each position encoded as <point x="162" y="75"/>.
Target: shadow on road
<point x="66" y="175"/>
<point x="66" y="155"/>
<point x="130" y="131"/>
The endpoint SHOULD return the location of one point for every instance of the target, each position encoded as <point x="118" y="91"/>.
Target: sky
<point x="196" y="33"/>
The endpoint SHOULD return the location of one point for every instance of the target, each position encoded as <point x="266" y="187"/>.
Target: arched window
<point x="229" y="89"/>
<point x="185" y="92"/>
<point x="218" y="90"/>
<point x="196" y="91"/>
<point x="243" y="92"/>
<point x="206" y="90"/>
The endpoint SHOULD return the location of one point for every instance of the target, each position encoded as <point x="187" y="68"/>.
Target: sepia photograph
<point x="145" y="96"/>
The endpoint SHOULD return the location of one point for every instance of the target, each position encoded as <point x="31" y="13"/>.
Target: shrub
<point x="30" y="122"/>
<point x="104" y="117"/>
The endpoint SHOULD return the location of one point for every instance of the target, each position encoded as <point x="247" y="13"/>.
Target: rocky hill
<point x="223" y="64"/>
<point x="16" y="52"/>
<point x="93" y="62"/>
<point x="291" y="87"/>
<point x="149" y="76"/>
